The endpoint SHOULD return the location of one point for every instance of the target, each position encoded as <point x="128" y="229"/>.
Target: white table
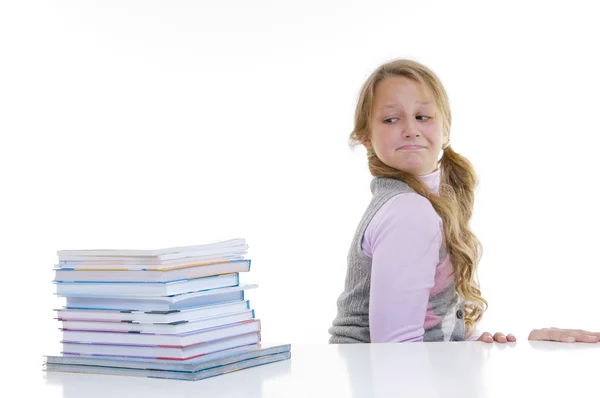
<point x="522" y="369"/>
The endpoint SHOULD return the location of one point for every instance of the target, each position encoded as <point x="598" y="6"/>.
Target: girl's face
<point x="406" y="127"/>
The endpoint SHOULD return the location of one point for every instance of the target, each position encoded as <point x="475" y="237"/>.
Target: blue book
<point x="211" y="365"/>
<point x="167" y="303"/>
<point x="145" y="289"/>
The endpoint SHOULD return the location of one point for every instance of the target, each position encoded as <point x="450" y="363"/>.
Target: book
<point x="130" y="263"/>
<point x="206" y="361"/>
<point x="228" y="247"/>
<point x="178" y="302"/>
<point x="159" y="317"/>
<point x="168" y="274"/>
<point x="223" y="244"/>
<point x="130" y="289"/>
<point x="180" y="327"/>
<point x="162" y="374"/>
<point x="150" y="339"/>
<point x="159" y="352"/>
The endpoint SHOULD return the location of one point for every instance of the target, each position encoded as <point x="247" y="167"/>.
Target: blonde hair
<point x="454" y="203"/>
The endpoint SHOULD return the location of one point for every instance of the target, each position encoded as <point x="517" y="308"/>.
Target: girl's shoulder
<point x="395" y="201"/>
<point x="386" y="186"/>
<point x="408" y="208"/>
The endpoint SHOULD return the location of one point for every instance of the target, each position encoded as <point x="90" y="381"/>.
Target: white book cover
<point x="231" y="245"/>
<point x="181" y="327"/>
<point x="161" y="353"/>
<point x="149" y="339"/>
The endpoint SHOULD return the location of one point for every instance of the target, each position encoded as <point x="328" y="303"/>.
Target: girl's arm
<point x="403" y="240"/>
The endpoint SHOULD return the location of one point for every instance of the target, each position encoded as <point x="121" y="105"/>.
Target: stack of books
<point x="177" y="313"/>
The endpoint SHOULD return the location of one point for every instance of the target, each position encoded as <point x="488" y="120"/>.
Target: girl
<point x="412" y="263"/>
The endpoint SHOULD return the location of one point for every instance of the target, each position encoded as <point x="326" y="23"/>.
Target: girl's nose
<point x="408" y="133"/>
<point x="410" y="130"/>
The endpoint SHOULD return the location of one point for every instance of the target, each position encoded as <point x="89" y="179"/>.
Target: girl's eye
<point x="391" y="120"/>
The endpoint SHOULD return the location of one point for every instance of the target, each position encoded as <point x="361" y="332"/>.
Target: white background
<point x="149" y="124"/>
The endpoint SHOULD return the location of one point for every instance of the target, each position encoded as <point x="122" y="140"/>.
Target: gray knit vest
<point x="351" y="325"/>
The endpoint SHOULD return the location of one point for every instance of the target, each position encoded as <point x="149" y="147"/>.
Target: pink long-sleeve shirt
<point x="403" y="241"/>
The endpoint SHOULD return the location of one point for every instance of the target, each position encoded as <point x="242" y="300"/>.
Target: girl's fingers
<point x="500" y="338"/>
<point x="584" y="337"/>
<point x="486" y="337"/>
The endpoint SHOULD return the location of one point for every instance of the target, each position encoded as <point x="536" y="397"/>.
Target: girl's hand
<point x="487" y="337"/>
<point x="564" y="335"/>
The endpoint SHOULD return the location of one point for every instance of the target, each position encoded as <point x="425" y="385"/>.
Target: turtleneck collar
<point x="432" y="180"/>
